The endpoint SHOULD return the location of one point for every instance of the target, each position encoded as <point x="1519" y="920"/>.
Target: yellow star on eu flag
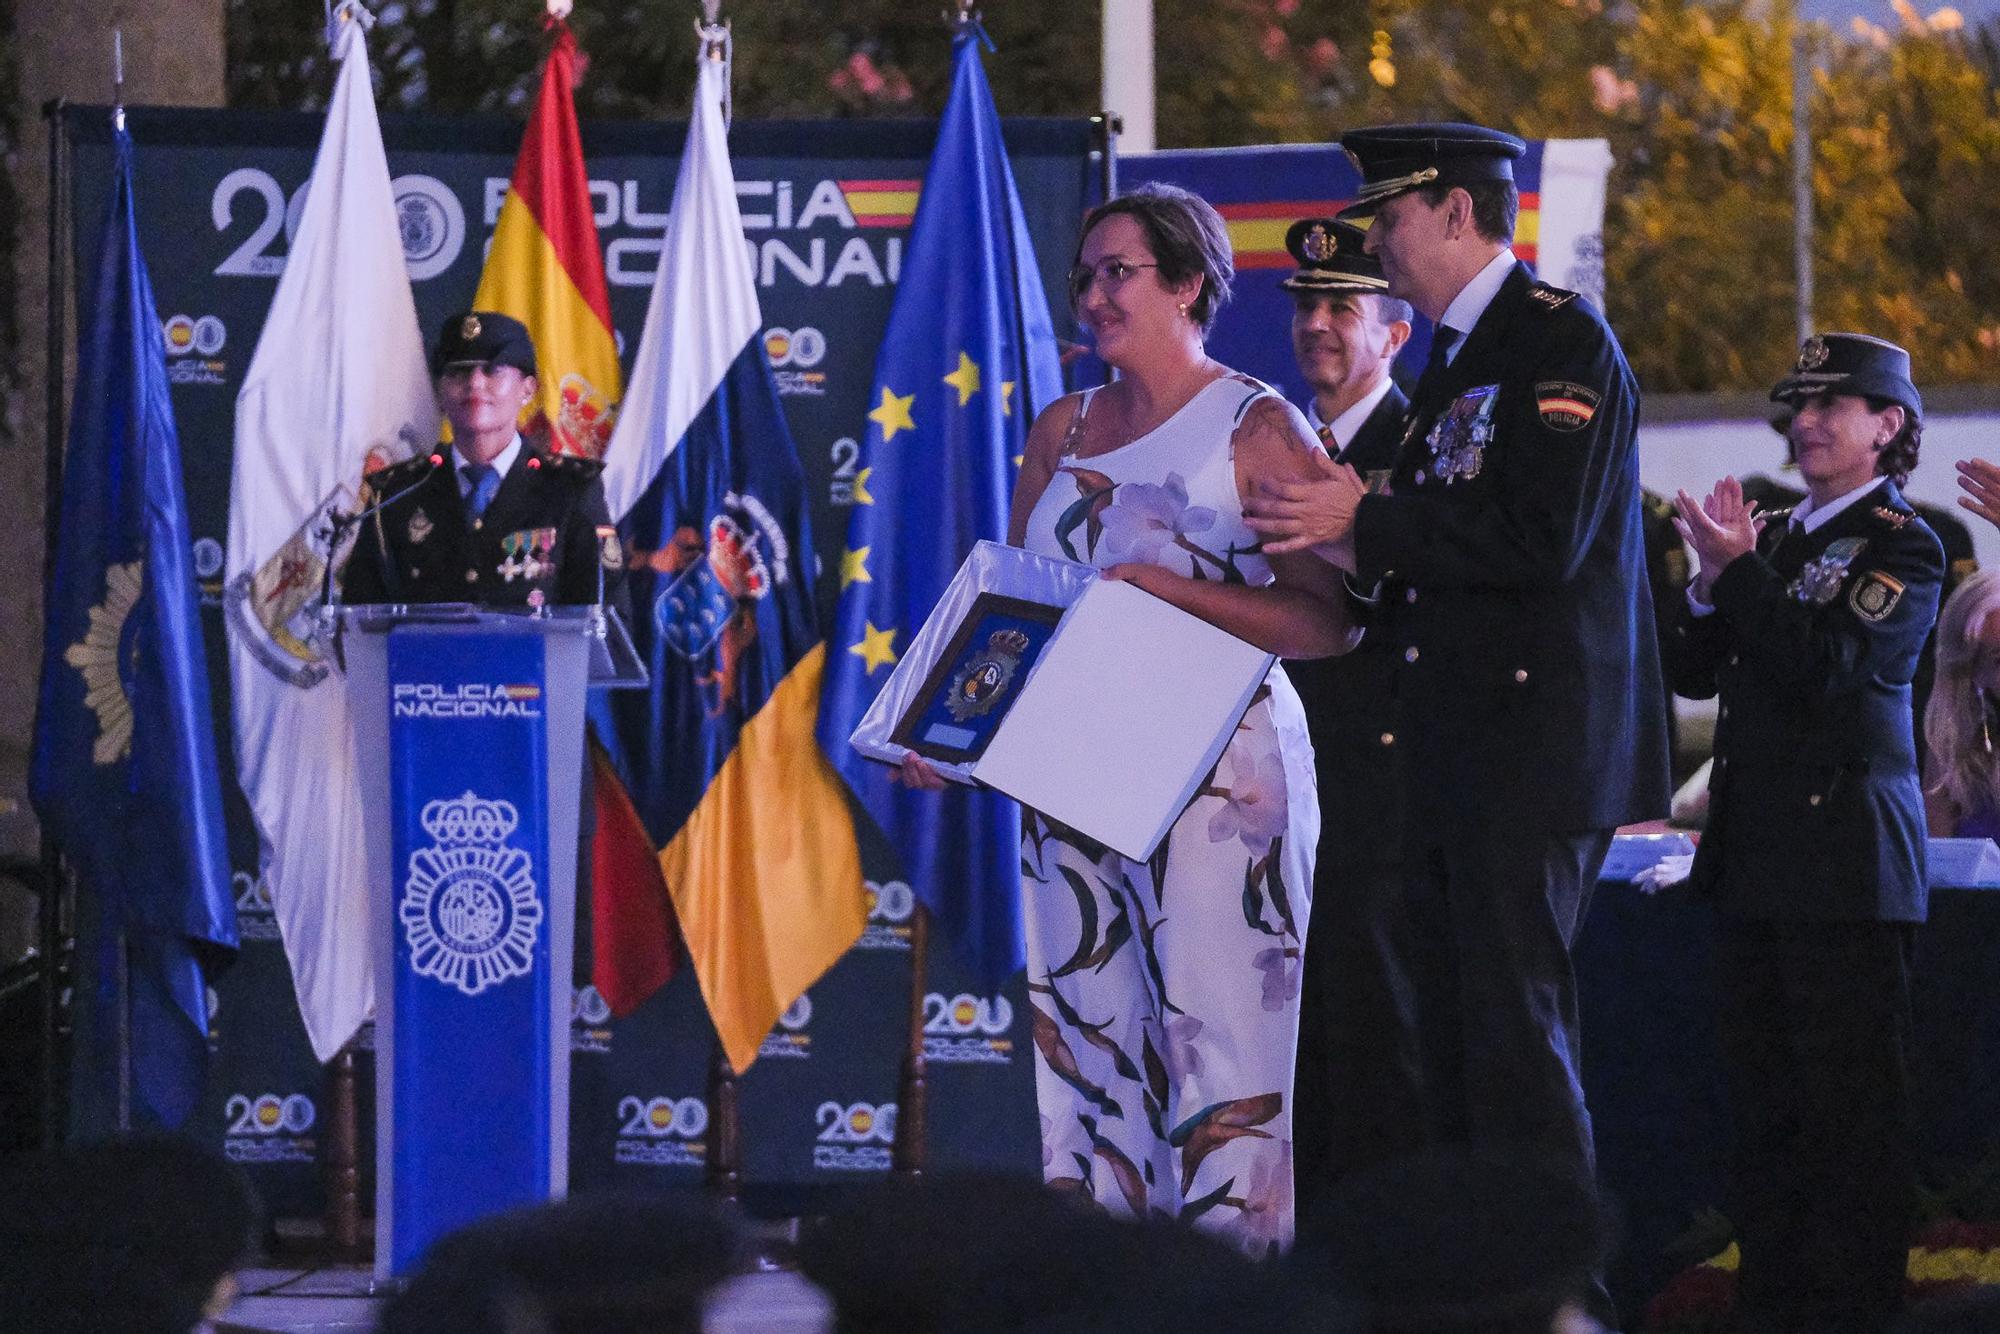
<point x="854" y="568"/>
<point x="893" y="414"/>
<point x="965" y="379"/>
<point x="874" y="647"/>
<point x="1006" y="398"/>
<point x="861" y="496"/>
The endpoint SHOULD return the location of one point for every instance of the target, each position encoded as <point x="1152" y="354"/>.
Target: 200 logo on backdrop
<point x="967" y="1029"/>
<point x="661" y="1132"/>
<point x="789" y="1040"/>
<point x="854" y="1137"/>
<point x="890" y="906"/>
<point x="269" y="1128"/>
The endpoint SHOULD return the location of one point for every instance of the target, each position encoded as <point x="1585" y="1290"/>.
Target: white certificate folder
<point x="1119" y="715"/>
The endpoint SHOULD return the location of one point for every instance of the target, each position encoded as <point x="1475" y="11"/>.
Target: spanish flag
<point x="756" y="840"/>
<point x="545" y="269"/>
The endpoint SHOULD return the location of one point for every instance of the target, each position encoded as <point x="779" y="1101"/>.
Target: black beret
<point x="483" y="336"/>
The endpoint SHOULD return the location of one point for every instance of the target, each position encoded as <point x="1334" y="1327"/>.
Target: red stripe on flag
<point x="634" y="940"/>
<point x="550" y="179"/>
<point x="1283" y="208"/>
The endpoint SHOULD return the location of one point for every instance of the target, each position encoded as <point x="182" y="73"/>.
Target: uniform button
<point x="1813" y="800"/>
<point x="477" y="524"/>
<point x="415" y="573"/>
<point x="1409" y="595"/>
<point x="1388" y="574"/>
<point x="1388" y="738"/>
<point x="1410" y="654"/>
<point x="1520" y="676"/>
<point x="472" y="576"/>
<point x="1735" y="658"/>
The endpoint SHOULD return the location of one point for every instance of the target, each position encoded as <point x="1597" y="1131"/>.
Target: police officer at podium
<point x="491" y="518"/>
<point x="1807" y="624"/>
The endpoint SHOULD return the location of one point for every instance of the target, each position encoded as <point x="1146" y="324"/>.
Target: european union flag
<point x="124" y="775"/>
<point x="969" y="356"/>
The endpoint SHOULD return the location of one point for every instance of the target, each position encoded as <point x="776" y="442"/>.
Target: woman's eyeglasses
<point x="1111" y="274"/>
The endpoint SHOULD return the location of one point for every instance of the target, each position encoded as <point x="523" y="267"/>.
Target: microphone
<point x="337" y="525"/>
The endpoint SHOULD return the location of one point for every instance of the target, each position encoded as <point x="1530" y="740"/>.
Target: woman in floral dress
<point x="1165" y="993"/>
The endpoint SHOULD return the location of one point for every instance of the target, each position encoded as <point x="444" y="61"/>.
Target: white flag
<point x="339" y="385"/>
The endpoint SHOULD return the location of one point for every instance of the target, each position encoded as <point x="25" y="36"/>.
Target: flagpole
<point x="124" y="929"/>
<point x="55" y="354"/>
<point x="913" y="1094"/>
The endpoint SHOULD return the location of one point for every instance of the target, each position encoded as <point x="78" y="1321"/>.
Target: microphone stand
<point x="337" y="527"/>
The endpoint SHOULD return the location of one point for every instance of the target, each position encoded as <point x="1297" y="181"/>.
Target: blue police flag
<point x="968" y="358"/>
<point x="123" y="774"/>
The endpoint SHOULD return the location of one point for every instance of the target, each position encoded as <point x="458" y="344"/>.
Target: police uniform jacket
<point x="1348" y="701"/>
<point x="539" y="534"/>
<point x="1509" y="567"/>
<point x="1815" y="813"/>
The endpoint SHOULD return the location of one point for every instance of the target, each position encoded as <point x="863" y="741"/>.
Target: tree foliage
<point x="1695" y="97"/>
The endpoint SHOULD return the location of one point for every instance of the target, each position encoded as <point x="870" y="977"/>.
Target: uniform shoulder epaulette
<point x="1550" y="298"/>
<point x="568" y="465"/>
<point x="396" y="476"/>
<point x="1658" y="507"/>
<point x="1777" y="516"/>
<point x="1895" y="518"/>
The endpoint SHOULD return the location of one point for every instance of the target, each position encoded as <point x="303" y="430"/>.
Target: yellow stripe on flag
<point x="1256" y="235"/>
<point x="525" y="278"/>
<point x="765" y="875"/>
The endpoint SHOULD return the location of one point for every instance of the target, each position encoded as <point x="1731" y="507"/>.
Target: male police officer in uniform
<point x="1506" y="562"/>
<point x="1356" y="1016"/>
<point x="492" y="519"/>
<point x="1814" y="852"/>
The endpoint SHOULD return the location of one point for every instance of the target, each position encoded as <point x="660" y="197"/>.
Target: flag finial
<point x="560" y="9"/>
<point x="118" y="78"/>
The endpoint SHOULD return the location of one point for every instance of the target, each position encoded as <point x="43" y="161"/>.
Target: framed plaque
<point x="1090" y="700"/>
<point x="977" y="678"/>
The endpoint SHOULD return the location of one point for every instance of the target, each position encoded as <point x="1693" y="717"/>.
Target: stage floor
<point x="334" y="1300"/>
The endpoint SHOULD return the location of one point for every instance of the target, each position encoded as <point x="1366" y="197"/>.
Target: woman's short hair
<point x="1187" y="237"/>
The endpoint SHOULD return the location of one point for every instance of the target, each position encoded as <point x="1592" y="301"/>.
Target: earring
<point x="1183" y="310"/>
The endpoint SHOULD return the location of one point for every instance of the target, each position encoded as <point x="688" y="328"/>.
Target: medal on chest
<point x="529" y="554"/>
<point x="1819" y="582"/>
<point x="1459" y="438"/>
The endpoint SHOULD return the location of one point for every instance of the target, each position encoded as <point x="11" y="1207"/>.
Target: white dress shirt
<point x="1348" y="424"/>
<point x="1473" y="299"/>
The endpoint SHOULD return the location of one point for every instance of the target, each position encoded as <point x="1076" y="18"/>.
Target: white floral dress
<point x="1166" y="992"/>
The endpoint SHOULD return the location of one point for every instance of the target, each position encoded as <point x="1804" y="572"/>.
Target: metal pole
<point x="49" y="905"/>
<point x="1802" y="183"/>
<point x="1128" y="69"/>
<point x="913" y="1091"/>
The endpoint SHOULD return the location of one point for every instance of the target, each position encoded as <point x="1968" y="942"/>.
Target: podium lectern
<point x="469" y="728"/>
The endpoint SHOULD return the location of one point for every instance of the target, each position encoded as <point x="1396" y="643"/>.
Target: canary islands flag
<point x="756" y="840"/>
<point x="969" y="357"/>
<point x="124" y="774"/>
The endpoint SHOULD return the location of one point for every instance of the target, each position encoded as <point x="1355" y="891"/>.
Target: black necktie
<point x="1442" y="340"/>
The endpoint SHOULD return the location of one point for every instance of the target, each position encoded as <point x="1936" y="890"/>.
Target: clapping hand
<point x="1302" y="515"/>
<point x="1980" y="481"/>
<point x="1720" y="529"/>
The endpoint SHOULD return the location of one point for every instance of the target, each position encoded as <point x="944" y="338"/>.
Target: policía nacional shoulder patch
<point x="1566" y="405"/>
<point x="1875" y="595"/>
